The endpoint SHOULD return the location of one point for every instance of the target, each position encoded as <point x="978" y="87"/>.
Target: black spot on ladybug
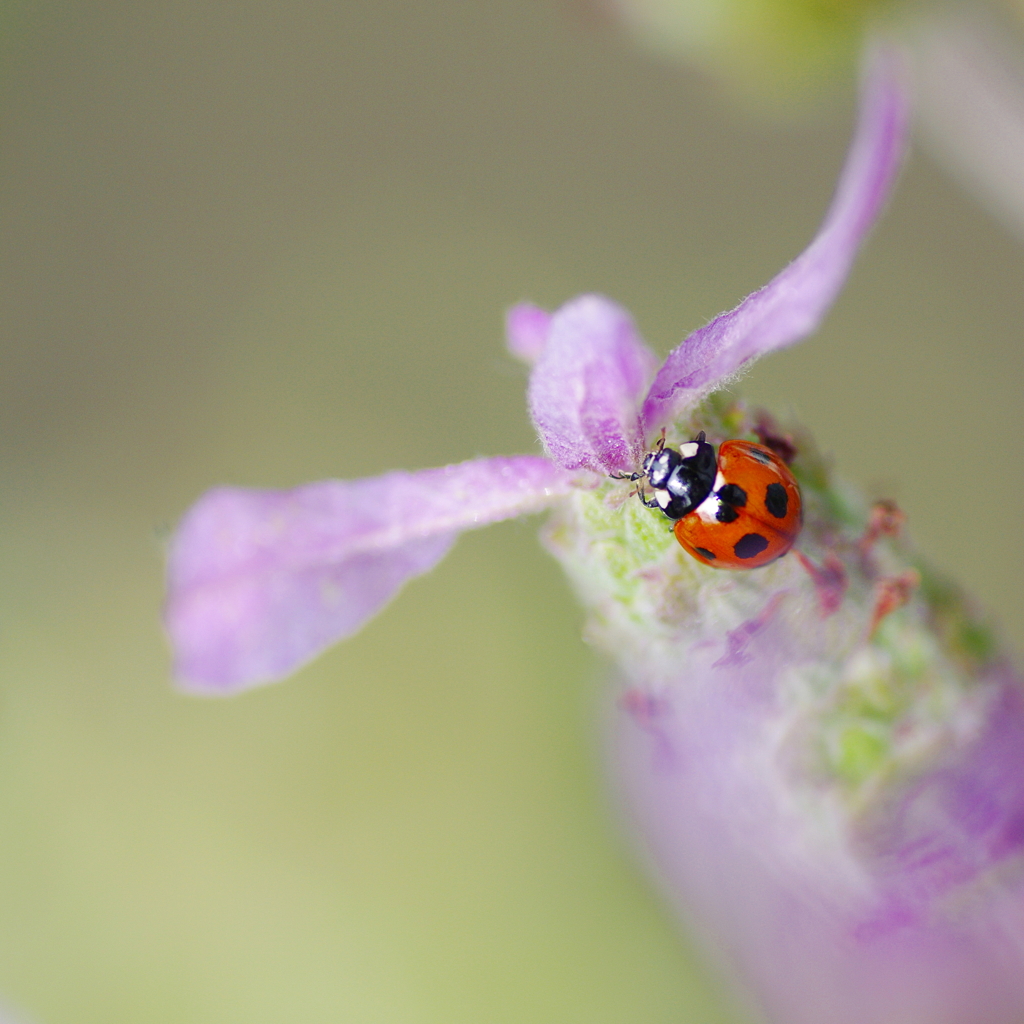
<point x="726" y="514"/>
<point x="732" y="494"/>
<point x="709" y="555"/>
<point x="776" y="500"/>
<point x="749" y="545"/>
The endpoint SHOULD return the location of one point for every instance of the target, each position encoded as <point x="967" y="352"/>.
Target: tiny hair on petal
<point x="793" y="304"/>
<point x="586" y="388"/>
<point x="261" y="581"/>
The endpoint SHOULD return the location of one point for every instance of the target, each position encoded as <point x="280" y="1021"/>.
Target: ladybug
<point x="740" y="509"/>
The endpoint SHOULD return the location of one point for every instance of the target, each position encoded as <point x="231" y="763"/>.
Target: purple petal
<point x="261" y="581"/>
<point x="792" y="305"/>
<point x="586" y="387"/>
<point x="526" y="328"/>
<point x="911" y="912"/>
<point x="970" y="89"/>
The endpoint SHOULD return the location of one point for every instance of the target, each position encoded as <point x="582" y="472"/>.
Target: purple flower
<point x="261" y="581"/>
<point x="823" y="759"/>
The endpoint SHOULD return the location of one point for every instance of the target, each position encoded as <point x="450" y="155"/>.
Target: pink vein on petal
<point x="792" y="305"/>
<point x="261" y="581"/>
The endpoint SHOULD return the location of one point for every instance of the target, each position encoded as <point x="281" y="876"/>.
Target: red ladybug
<point x="739" y="510"/>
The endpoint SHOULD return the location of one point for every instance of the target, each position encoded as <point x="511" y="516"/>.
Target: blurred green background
<point x="263" y="243"/>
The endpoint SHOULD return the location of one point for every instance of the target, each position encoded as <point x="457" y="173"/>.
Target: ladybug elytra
<point x="739" y="509"/>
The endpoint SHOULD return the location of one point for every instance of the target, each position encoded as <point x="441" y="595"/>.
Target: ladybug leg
<point x="649" y="502"/>
<point x="625" y="476"/>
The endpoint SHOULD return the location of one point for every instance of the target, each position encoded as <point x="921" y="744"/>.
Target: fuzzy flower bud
<point x="824" y="759"/>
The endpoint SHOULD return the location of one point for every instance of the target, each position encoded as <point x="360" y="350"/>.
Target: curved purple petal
<point x="260" y="581"/>
<point x="526" y="328"/>
<point x="792" y="305"/>
<point x="586" y="387"/>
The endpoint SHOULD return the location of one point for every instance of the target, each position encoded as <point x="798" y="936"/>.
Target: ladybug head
<point x="659" y="466"/>
<point x="684" y="477"/>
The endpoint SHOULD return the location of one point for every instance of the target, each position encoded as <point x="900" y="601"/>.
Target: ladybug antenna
<point x="661" y="441"/>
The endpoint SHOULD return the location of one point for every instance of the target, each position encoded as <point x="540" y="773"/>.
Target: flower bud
<point x="823" y="759"/>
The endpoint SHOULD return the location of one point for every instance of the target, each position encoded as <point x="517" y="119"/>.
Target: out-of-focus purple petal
<point x="792" y="305"/>
<point x="586" y="388"/>
<point x="260" y="581"/>
<point x="526" y="329"/>
<point x="913" y="912"/>
<point x="970" y="88"/>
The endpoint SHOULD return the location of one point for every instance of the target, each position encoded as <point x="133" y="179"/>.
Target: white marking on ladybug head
<point x="688" y="450"/>
<point x="662" y="497"/>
